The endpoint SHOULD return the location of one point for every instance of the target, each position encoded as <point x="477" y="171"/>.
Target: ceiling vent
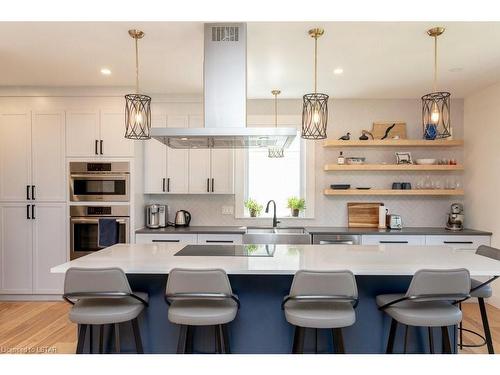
<point x="225" y="33"/>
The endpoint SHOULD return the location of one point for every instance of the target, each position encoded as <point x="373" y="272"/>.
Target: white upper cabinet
<point x="82" y="133"/>
<point x="222" y="165"/>
<point x="199" y="171"/>
<point x="155" y="159"/>
<point x="112" y="142"/>
<point x="15" y="156"/>
<point x="177" y="160"/>
<point x="48" y="152"/>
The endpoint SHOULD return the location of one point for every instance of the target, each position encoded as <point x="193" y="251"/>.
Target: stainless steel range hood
<point x="225" y="89"/>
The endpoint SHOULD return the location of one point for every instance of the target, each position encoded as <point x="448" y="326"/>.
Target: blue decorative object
<point x="430" y="131"/>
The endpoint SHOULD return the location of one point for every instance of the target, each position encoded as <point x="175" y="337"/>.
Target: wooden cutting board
<point x="363" y="215"/>
<point x="379" y="128"/>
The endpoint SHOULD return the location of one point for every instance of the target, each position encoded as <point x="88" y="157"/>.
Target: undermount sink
<point x="279" y="235"/>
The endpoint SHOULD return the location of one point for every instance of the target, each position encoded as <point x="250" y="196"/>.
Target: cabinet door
<point x="48" y="153"/>
<point x="15" y="155"/>
<point x="199" y="171"/>
<point x="392" y="239"/>
<point x="220" y="239"/>
<point x="155" y="160"/>
<point x="49" y="247"/>
<point x="16" y="249"/>
<point x="166" y="238"/>
<point x="222" y="171"/>
<point x="177" y="160"/>
<point x="114" y="143"/>
<point x="82" y="133"/>
<point x="458" y="242"/>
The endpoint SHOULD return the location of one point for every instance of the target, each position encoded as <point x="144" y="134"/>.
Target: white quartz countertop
<point x="361" y="260"/>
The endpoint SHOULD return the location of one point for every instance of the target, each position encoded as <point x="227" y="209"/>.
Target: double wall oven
<point x="98" y="184"/>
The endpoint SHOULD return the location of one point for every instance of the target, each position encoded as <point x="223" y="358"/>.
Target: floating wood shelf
<point x="413" y="192"/>
<point x="391" y="167"/>
<point x="395" y="143"/>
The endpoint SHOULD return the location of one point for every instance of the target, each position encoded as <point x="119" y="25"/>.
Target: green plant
<point x="295" y="203"/>
<point x="253" y="206"/>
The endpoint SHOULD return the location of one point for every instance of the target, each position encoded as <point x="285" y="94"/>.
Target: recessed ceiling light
<point x="105" y="72"/>
<point x="338" y="71"/>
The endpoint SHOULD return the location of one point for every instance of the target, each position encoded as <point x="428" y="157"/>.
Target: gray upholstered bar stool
<point x="201" y="297"/>
<point x="429" y="302"/>
<point x="321" y="300"/>
<point x="102" y="296"/>
<point x="481" y="290"/>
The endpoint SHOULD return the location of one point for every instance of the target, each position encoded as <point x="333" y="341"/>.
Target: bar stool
<point x="102" y="296"/>
<point x="321" y="300"/>
<point x="481" y="290"/>
<point x="429" y="302"/>
<point x="201" y="297"/>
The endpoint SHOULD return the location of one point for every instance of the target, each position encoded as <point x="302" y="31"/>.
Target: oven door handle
<point x="336" y="242"/>
<point x="100" y="176"/>
<point x="95" y="220"/>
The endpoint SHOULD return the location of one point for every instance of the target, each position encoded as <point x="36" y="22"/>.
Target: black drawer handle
<point x="219" y="241"/>
<point x="96" y="145"/>
<point x="100" y="142"/>
<point x="33" y="192"/>
<point x="163" y="184"/>
<point x="33" y="212"/>
<point x="168" y="184"/>
<point x="165" y="240"/>
<point x="28" y="212"/>
<point x="393" y="241"/>
<point x="208" y="185"/>
<point x="459" y="242"/>
<point x="27" y="192"/>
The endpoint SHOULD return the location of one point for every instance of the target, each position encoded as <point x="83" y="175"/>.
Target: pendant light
<point x="315" y="105"/>
<point x="436" y="105"/>
<point x="137" y="106"/>
<point x="275" y="152"/>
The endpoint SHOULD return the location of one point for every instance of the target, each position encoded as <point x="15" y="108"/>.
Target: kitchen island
<point x="262" y="279"/>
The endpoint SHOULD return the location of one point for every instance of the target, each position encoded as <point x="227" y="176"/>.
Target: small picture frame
<point x="403" y="158"/>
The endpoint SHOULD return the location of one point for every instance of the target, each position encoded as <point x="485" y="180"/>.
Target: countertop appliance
<point x="336" y="239"/>
<point x="84" y="227"/>
<point x="99" y="181"/>
<point x="156" y="216"/>
<point x="394" y="221"/>
<point x="182" y="218"/>
<point x="455" y="217"/>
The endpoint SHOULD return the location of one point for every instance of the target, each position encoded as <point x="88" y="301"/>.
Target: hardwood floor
<point x="44" y="328"/>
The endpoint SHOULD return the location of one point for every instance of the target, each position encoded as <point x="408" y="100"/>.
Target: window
<point x="267" y="178"/>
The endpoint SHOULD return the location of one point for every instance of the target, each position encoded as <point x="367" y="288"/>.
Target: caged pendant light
<point x="137" y="106"/>
<point x="315" y="105"/>
<point x="436" y="105"/>
<point x="275" y="152"/>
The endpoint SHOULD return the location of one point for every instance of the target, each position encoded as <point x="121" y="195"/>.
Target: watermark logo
<point x="29" y="350"/>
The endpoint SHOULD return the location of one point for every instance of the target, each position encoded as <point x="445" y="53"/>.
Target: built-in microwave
<point x="99" y="181"/>
<point x="84" y="227"/>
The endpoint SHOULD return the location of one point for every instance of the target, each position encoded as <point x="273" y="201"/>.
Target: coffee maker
<point x="156" y="216"/>
<point x="455" y="217"/>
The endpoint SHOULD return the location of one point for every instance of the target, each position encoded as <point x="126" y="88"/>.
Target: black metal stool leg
<point x="81" y="338"/>
<point x="218" y="346"/>
<point x="460" y="329"/>
<point x="181" y="343"/>
<point x="446" y="340"/>
<point x="101" y="338"/>
<point x="189" y="340"/>
<point x="117" y="338"/>
<point x="392" y="336"/>
<point x="298" y="340"/>
<point x="486" y="326"/>
<point x="225" y="334"/>
<point x="137" y="336"/>
<point x="338" y="341"/>
<point x="405" y="345"/>
<point x="91" y="339"/>
<point x="222" y="342"/>
<point x="431" y="340"/>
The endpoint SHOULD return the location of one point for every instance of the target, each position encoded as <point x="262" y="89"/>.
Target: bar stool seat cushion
<point x="320" y="314"/>
<point x="107" y="310"/>
<point x="424" y="313"/>
<point x="202" y="312"/>
<point x="484" y="292"/>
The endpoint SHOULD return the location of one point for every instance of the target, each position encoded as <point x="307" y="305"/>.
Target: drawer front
<point x="392" y="240"/>
<point x="470" y="243"/>
<point x="166" y="238"/>
<point x="220" y="239"/>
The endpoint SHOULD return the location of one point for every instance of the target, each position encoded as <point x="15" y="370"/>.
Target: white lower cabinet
<point x="30" y="246"/>
<point x="166" y="238"/>
<point x="393" y="239"/>
<point x="458" y="242"/>
<point x="220" y="239"/>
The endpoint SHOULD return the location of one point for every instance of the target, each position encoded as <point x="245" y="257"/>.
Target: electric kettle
<point x="182" y="218"/>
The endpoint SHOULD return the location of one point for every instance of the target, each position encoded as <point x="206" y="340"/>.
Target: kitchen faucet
<point x="275" y="220"/>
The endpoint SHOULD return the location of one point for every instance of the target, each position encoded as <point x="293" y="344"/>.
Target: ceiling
<point x="379" y="59"/>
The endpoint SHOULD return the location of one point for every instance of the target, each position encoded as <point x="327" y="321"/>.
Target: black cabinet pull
<point x="28" y="212"/>
<point x="33" y="192"/>
<point x="208" y="185"/>
<point x="168" y="184"/>
<point x="165" y="240"/>
<point x="163" y="184"/>
<point x="96" y="141"/>
<point x="27" y="192"/>
<point x="213" y="183"/>
<point x="393" y="241"/>
<point x="33" y="212"/>
<point x="219" y="241"/>
<point x="459" y="242"/>
<point x="100" y="143"/>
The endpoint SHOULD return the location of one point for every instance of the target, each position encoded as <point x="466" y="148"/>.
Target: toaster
<point x="394" y="222"/>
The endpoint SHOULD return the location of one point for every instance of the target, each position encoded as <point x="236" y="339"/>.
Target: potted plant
<point x="253" y="207"/>
<point x="296" y="205"/>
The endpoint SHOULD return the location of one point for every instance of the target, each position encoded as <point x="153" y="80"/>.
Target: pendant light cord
<point x="435" y="62"/>
<point x="316" y="64"/>
<point x="136" y="66"/>
<point x="275" y="110"/>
